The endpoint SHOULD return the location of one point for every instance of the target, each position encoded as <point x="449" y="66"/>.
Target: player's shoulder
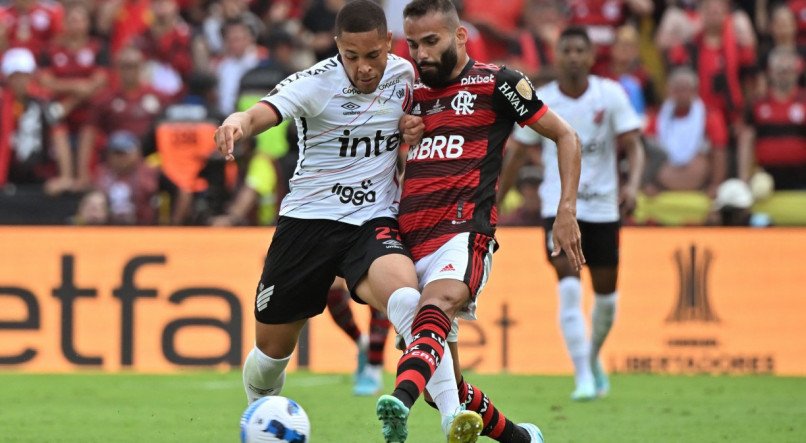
<point x="397" y="65"/>
<point x="323" y="72"/>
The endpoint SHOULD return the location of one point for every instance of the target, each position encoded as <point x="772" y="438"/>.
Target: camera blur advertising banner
<point x="691" y="300"/>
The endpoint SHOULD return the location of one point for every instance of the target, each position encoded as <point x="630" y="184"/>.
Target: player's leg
<point x="379" y="272"/>
<point x="293" y="287"/>
<point x="571" y="317"/>
<point x="452" y="276"/>
<point x="370" y="379"/>
<point x="264" y="367"/>
<point x="338" y="304"/>
<point x="495" y="424"/>
<point x="604" y="253"/>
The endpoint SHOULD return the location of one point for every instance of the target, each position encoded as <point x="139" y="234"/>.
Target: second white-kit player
<point x="600" y="111"/>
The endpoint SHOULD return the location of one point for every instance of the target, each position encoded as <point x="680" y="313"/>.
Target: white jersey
<point x="347" y="141"/>
<point x="600" y="115"/>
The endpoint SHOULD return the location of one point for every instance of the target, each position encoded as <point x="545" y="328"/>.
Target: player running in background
<point x="369" y="375"/>
<point x="598" y="108"/>
<point x="447" y="211"/>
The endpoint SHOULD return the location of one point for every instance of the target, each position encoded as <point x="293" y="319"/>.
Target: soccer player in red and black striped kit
<point x="447" y="211"/>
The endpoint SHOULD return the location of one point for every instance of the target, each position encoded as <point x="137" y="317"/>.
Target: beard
<point x="444" y="68"/>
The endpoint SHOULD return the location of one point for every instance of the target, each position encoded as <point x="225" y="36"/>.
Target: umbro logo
<point x="351" y="108"/>
<point x="448" y="268"/>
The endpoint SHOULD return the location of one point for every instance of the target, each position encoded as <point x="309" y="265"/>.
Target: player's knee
<point x="448" y="302"/>
<point x="275" y="350"/>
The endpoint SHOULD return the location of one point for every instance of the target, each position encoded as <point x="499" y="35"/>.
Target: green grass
<point x="205" y="407"/>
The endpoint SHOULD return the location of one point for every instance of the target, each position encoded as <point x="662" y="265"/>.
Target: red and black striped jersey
<point x="452" y="175"/>
<point x="780" y="130"/>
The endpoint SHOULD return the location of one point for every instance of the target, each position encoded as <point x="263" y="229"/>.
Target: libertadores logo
<point x="693" y="304"/>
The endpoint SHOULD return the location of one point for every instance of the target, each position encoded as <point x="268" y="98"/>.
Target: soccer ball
<point x="275" y="419"/>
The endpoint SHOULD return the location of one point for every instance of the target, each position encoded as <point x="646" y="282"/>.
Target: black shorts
<point x="600" y="242"/>
<point x="306" y="255"/>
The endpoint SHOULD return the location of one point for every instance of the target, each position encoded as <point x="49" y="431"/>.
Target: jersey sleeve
<point x="515" y="97"/>
<point x="299" y="95"/>
<point x="623" y="115"/>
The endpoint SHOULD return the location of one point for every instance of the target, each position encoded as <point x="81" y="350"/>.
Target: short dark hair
<point x="361" y="16"/>
<point x="419" y="8"/>
<point x="575" y="31"/>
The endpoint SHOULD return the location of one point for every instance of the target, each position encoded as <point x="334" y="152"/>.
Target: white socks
<point x="604" y="311"/>
<point x="442" y="386"/>
<point x="263" y="375"/>
<point x="572" y="324"/>
<point x="401" y="310"/>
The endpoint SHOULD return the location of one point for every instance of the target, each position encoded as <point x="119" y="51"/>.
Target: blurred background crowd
<point x="108" y="106"/>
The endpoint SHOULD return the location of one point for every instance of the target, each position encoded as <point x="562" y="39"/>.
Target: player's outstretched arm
<point x="239" y="125"/>
<point x="569" y="154"/>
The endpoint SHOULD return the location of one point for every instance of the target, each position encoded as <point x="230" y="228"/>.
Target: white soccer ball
<point x="275" y="419"/>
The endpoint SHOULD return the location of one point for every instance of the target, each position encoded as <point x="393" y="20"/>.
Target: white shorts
<point x="468" y="258"/>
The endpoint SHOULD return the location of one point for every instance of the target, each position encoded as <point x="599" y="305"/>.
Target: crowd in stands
<point x="108" y="106"/>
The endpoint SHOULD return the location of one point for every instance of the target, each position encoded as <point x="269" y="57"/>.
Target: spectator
<point x="30" y="24"/>
<point x="783" y="34"/>
<point x="720" y="56"/>
<point x="732" y="204"/>
<point x="543" y="20"/>
<point x="498" y="22"/>
<point x="130" y="104"/>
<point x="168" y="44"/>
<point x="774" y="134"/>
<point x="74" y="72"/>
<point x="602" y="18"/>
<point x="691" y="139"/>
<point x="193" y="172"/>
<point x="228" y="11"/>
<point x="27" y="152"/>
<point x="682" y="21"/>
<point x="625" y="67"/>
<point x="128" y="183"/>
<point x="798" y="7"/>
<point x="121" y="21"/>
<point x="319" y="21"/>
<point x="93" y="210"/>
<point x="240" y="55"/>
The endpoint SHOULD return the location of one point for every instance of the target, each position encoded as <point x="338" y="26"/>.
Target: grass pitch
<point x="206" y="407"/>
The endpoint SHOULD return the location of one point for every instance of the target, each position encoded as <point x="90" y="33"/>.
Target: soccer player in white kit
<point x="600" y="112"/>
<point x="339" y="218"/>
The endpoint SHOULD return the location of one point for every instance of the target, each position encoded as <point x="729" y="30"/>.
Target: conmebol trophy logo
<point x="692" y="295"/>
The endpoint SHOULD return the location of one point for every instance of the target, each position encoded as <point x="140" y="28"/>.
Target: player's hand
<point x="566" y="237"/>
<point x="626" y="200"/>
<point x="412" y="128"/>
<point x="225" y="137"/>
